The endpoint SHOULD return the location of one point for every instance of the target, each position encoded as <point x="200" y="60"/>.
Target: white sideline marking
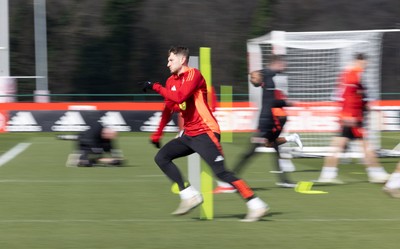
<point x="188" y="220"/>
<point x="81" y="181"/>
<point x="91" y="181"/>
<point x="13" y="152"/>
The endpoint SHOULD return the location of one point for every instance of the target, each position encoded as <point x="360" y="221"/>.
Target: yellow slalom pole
<point x="226" y="102"/>
<point x="206" y="174"/>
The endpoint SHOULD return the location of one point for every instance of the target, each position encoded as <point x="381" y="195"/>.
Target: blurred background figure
<point x="392" y="186"/>
<point x="95" y="146"/>
<point x="353" y="102"/>
<point x="271" y="121"/>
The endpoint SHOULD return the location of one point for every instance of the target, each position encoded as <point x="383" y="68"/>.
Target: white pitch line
<point x="13" y="152"/>
<point x="91" y="181"/>
<point x="81" y="181"/>
<point x="141" y="220"/>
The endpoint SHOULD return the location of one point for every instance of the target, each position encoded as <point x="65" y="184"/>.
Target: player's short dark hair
<point x="360" y="56"/>
<point x="275" y="58"/>
<point x="180" y="50"/>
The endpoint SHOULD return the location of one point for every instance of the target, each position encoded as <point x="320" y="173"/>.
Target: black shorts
<point x="352" y="132"/>
<point x="274" y="129"/>
<point x="206" y="145"/>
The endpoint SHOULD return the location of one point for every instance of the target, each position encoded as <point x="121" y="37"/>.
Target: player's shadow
<point x="317" y="184"/>
<point x="260" y="189"/>
<point x="241" y="216"/>
<point x="111" y="166"/>
<point x="394" y="162"/>
<point x="307" y="170"/>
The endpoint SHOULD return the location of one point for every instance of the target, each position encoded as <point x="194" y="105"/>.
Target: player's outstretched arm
<point x="182" y="94"/>
<point x="147" y="85"/>
<point x="155" y="138"/>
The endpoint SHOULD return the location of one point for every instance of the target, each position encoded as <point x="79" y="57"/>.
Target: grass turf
<point x="47" y="205"/>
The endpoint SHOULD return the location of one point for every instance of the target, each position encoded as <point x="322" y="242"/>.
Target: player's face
<point x="108" y="133"/>
<point x="175" y="63"/>
<point x="278" y="66"/>
<point x="363" y="64"/>
<point x="256" y="79"/>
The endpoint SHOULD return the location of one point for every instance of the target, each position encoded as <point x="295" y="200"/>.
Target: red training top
<point x="189" y="91"/>
<point x="352" y="99"/>
<point x="169" y="108"/>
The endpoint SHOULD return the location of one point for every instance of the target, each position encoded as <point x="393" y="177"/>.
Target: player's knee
<point x="158" y="158"/>
<point x="226" y="176"/>
<point x="161" y="158"/>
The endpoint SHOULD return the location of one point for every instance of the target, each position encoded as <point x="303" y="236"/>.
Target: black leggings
<point x="271" y="135"/>
<point x="206" y="145"/>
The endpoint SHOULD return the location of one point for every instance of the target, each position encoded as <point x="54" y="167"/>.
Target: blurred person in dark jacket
<point x="272" y="118"/>
<point x="95" y="146"/>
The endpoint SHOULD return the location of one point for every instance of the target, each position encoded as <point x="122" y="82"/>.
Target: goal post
<point x="314" y="63"/>
<point x="4" y="40"/>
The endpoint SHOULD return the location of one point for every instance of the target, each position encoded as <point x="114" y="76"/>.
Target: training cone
<point x="305" y="188"/>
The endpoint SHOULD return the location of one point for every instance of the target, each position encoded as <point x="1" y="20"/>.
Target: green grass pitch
<point x="45" y="205"/>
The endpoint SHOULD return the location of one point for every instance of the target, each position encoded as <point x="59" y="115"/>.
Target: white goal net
<point x="314" y="63"/>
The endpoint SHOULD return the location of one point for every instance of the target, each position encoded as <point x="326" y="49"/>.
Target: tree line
<point x="107" y="46"/>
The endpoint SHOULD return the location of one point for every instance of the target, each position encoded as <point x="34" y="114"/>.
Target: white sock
<point x="223" y="184"/>
<point x="394" y="181"/>
<point x="256" y="203"/>
<point x="329" y="172"/>
<point x="286" y="165"/>
<point x="289" y="138"/>
<point x="376" y="171"/>
<point x="188" y="193"/>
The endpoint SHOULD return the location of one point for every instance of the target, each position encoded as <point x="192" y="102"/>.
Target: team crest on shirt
<point x="182" y="106"/>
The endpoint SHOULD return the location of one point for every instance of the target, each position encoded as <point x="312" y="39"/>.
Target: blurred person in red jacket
<point x="353" y="103"/>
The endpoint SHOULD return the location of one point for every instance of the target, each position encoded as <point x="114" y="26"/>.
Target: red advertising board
<point x="144" y="116"/>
